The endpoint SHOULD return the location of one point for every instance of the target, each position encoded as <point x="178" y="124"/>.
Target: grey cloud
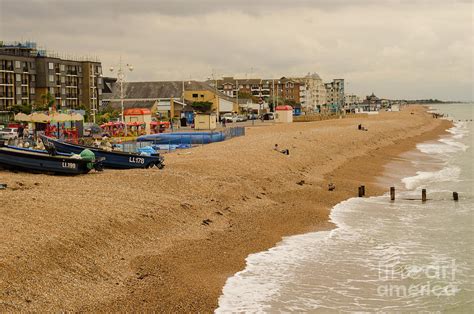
<point x="400" y="48"/>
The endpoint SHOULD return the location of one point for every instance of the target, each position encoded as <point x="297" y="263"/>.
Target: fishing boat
<point x="38" y="161"/>
<point x="113" y="159"/>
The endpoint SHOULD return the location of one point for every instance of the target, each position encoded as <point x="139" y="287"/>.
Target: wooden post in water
<point x="363" y="189"/>
<point x="392" y="193"/>
<point x="423" y="195"/>
<point x="455" y="196"/>
<point x="360" y="191"/>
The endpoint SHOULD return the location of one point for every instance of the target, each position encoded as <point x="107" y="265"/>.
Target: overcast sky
<point x="395" y="48"/>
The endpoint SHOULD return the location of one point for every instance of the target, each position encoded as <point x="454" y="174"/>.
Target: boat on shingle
<point x="112" y="159"/>
<point x="38" y="161"/>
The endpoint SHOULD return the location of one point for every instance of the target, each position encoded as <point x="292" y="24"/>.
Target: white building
<point x="335" y="94"/>
<point x="312" y="92"/>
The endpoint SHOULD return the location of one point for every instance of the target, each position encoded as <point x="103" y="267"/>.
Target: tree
<point x="47" y="100"/>
<point x="202" y="106"/>
<point x="106" y="114"/>
<point x="24" y="108"/>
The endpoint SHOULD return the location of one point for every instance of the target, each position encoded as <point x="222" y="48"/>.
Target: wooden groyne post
<point x="423" y="195"/>
<point x="455" y="196"/>
<point x="392" y="193"/>
<point x="363" y="189"/>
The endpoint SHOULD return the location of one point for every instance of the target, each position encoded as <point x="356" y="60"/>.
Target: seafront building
<point x="335" y="94"/>
<point x="27" y="74"/>
<point x="167" y="98"/>
<point x="307" y="93"/>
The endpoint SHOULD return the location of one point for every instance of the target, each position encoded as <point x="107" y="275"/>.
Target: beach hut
<point x="284" y="114"/>
<point x="138" y="115"/>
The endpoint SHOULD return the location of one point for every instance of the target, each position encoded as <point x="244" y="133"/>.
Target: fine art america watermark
<point x="438" y="280"/>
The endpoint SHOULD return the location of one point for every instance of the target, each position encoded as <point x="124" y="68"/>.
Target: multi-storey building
<point x="335" y="94"/>
<point x="282" y="89"/>
<point x="312" y="92"/>
<point x="27" y="74"/>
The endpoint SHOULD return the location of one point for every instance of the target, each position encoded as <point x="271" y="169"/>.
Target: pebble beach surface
<point x="167" y="240"/>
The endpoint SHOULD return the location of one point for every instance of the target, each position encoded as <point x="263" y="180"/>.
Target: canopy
<point x="135" y="123"/>
<point x="59" y="117"/>
<point x="22" y="117"/>
<point x="40" y="117"/>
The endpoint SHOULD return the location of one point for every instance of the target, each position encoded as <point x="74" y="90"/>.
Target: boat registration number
<point x="69" y="165"/>
<point x="136" y="160"/>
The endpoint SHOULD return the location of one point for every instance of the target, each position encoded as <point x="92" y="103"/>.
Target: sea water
<point x="383" y="256"/>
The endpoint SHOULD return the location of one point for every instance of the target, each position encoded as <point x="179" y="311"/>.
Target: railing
<point x="329" y="116"/>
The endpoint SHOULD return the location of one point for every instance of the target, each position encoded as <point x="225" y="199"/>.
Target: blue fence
<point x="171" y="143"/>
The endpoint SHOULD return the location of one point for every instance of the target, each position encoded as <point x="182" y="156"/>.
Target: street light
<point x="121" y="79"/>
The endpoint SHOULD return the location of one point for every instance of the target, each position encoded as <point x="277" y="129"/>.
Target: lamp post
<point x="121" y="79"/>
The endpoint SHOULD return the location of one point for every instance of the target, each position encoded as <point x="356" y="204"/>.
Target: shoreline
<point x="185" y="271"/>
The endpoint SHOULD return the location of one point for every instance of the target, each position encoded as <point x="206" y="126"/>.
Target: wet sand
<point x="167" y="240"/>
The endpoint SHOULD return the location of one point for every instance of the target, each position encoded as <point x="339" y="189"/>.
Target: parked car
<point x="9" y="133"/>
<point x="241" y="118"/>
<point x="268" y="116"/>
<point x="229" y="118"/>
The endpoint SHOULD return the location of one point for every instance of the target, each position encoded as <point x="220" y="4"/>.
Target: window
<point x="63" y="91"/>
<point x="32" y="90"/>
<point x="33" y="78"/>
<point x="18" y="90"/>
<point x="51" y="78"/>
<point x="51" y="90"/>
<point x="17" y="64"/>
<point x="51" y="66"/>
<point x="202" y="96"/>
<point x="99" y="69"/>
<point x="195" y="95"/>
<point x="18" y="78"/>
<point x="62" y="67"/>
<point x="99" y="80"/>
<point x="63" y="79"/>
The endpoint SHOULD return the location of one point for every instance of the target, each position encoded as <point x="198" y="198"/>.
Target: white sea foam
<point x="339" y="270"/>
<point x="424" y="178"/>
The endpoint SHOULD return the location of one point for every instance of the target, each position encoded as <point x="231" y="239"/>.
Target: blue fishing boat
<point x="38" y="161"/>
<point x="113" y="159"/>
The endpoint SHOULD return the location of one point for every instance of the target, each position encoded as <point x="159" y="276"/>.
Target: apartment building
<point x="312" y="92"/>
<point x="28" y="73"/>
<point x="282" y="89"/>
<point x="335" y="94"/>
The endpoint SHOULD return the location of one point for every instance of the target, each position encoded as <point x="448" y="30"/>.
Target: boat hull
<point x="37" y="162"/>
<point x="112" y="160"/>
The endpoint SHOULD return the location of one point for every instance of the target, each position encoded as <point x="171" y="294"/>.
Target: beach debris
<point x="283" y="151"/>
<point x="219" y="213"/>
<point x="423" y="195"/>
<point x="392" y="193"/>
<point x="455" y="196"/>
<point x="302" y="182"/>
<point x="331" y="186"/>
<point x="3" y="186"/>
<point x="206" y="222"/>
